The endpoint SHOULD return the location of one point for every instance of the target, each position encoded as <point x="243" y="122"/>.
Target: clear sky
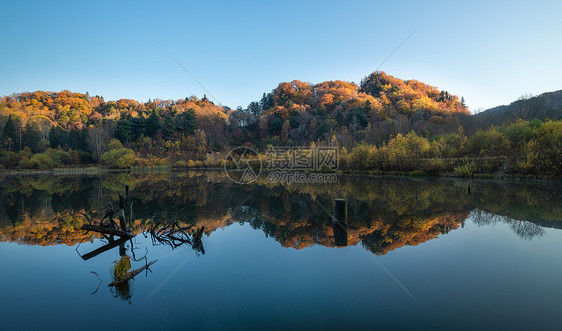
<point x="490" y="52"/>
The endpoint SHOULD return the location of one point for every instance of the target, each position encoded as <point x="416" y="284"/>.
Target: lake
<point x="413" y="253"/>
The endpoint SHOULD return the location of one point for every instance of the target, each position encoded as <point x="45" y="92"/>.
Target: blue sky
<point x="490" y="53"/>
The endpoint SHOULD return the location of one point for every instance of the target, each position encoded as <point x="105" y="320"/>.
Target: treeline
<point x="52" y="129"/>
<point x="384" y="123"/>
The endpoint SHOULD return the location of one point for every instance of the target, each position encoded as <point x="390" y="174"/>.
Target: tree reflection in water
<point x="384" y="214"/>
<point x="524" y="229"/>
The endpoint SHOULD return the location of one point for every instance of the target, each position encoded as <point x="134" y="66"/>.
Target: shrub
<point x="114" y="144"/>
<point x="465" y="170"/>
<point x="434" y="166"/>
<point x="181" y="164"/>
<point x="417" y="173"/>
<point x="119" y="158"/>
<point x="49" y="159"/>
<point x="9" y="159"/>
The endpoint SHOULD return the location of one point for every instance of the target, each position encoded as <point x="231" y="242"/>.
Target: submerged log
<point x="131" y="274"/>
<point x="107" y="230"/>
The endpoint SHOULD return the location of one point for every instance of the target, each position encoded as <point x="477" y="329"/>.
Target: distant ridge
<point x="544" y="106"/>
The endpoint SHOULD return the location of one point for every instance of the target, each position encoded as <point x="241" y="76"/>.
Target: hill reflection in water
<point x="384" y="214"/>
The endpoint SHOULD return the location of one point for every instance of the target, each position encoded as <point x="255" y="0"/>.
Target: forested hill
<point x="380" y="107"/>
<point x="294" y="113"/>
<point x="383" y="124"/>
<point x="545" y="106"/>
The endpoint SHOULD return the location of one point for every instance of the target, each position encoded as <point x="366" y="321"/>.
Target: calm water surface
<point x="415" y="254"/>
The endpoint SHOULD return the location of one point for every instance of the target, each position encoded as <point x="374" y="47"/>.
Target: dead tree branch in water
<point x="107" y="225"/>
<point x="131" y="274"/>
<point x="107" y="230"/>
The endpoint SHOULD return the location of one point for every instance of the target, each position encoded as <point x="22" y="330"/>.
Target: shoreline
<point x="95" y="171"/>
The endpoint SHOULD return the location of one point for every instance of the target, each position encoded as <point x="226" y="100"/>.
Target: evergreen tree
<point x="186" y="122"/>
<point x="152" y="124"/>
<point x="10" y="134"/>
<point x="169" y="127"/>
<point x="137" y="126"/>
<point x="124" y="131"/>
<point x="276" y="125"/>
<point x="266" y="101"/>
<point x="31" y="137"/>
<point x="74" y="139"/>
<point x="58" y="137"/>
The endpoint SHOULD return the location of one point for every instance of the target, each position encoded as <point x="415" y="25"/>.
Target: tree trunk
<point x="107" y="230"/>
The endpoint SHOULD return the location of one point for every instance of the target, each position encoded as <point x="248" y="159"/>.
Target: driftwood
<point x="107" y="230"/>
<point x="129" y="275"/>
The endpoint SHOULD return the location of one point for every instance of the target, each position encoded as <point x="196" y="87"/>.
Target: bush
<point x="360" y="157"/>
<point x="50" y="159"/>
<point x="114" y="144"/>
<point x="119" y="158"/>
<point x="489" y="143"/>
<point x="417" y="173"/>
<point x="9" y="159"/>
<point x="434" y="166"/>
<point x="181" y="164"/>
<point x="465" y="170"/>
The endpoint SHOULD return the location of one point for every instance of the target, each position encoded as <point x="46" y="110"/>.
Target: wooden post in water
<point x="122" y="200"/>
<point x="339" y="222"/>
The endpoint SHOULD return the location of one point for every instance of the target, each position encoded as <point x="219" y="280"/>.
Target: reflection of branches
<point x="133" y="253"/>
<point x="170" y="234"/>
<point x="173" y="235"/>
<point x="97" y="288"/>
<point x="524" y="229"/>
<point x="482" y="218"/>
